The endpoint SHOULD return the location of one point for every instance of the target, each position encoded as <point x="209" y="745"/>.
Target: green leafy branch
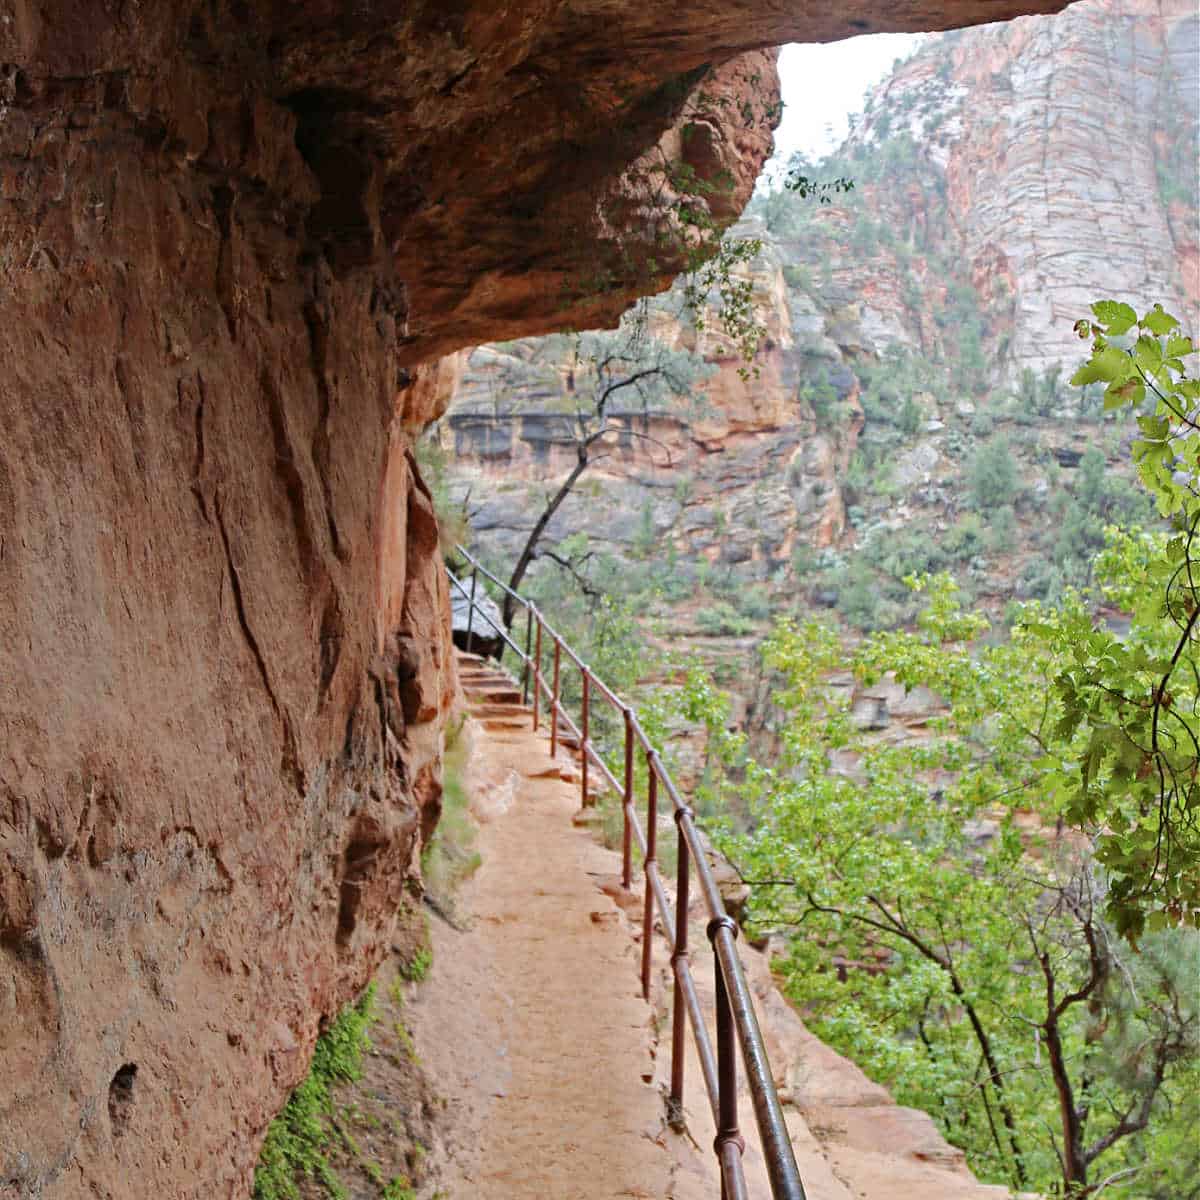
<point x="1136" y="698"/>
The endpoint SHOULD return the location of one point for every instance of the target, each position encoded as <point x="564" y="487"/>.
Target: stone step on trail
<point x="497" y="695"/>
<point x="489" y="709"/>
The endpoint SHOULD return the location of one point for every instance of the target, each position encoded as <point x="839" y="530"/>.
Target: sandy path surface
<point x="533" y="1029"/>
<point x="532" y="1022"/>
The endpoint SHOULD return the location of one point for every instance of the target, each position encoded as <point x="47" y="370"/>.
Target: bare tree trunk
<point x="527" y="554"/>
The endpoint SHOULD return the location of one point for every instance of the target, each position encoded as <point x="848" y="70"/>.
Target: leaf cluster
<point x="946" y="928"/>
<point x="299" y="1139"/>
<point x="1135" y="698"/>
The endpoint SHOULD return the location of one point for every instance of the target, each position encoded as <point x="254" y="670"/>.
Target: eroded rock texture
<point x="1062" y="155"/>
<point x="226" y="231"/>
<point x="741" y="475"/>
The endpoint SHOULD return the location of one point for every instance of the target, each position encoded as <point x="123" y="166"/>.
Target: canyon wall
<point x="1005" y="177"/>
<point x="230" y="237"/>
<point x="1057" y="158"/>
<point x="739" y="474"/>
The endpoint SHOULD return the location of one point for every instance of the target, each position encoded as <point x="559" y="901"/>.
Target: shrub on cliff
<point x="1012" y="899"/>
<point x="298" y="1140"/>
<point x="992" y="475"/>
<point x="948" y="931"/>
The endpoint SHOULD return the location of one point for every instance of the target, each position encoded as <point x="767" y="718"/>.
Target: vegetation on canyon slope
<point x="947" y="925"/>
<point x="298" y="1141"/>
<point x="999" y="919"/>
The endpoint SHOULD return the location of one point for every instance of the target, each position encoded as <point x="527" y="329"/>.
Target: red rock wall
<point x="223" y="663"/>
<point x="222" y="650"/>
<point x="1049" y="142"/>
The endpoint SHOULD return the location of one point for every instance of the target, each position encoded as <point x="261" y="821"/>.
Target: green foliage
<point x="1038" y="396"/>
<point x="902" y="552"/>
<point x="822" y="397"/>
<point x="823" y="191"/>
<point x="890" y="387"/>
<point x="966" y="539"/>
<point x="911" y="416"/>
<point x="299" y="1139"/>
<point x="1002" y="530"/>
<point x="863" y="599"/>
<point x="416" y="969"/>
<point x="1133" y="699"/>
<point x="450" y="857"/>
<point x="992" y="475"/>
<point x="935" y="871"/>
<point x="398" y="1189"/>
<point x="722" y="619"/>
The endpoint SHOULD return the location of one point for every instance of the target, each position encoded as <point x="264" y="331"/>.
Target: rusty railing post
<point x="584" y="799"/>
<point x="651" y="862"/>
<point x="554" y="701"/>
<point x="627" y="836"/>
<point x="537" y="671"/>
<point x="728" y="1135"/>
<point x="471" y="608"/>
<point x="680" y="954"/>
<point x="528" y="645"/>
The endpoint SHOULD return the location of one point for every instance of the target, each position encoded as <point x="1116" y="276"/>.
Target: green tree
<point x="627" y="366"/>
<point x="992" y="475"/>
<point x="1134" y="698"/>
<point x="948" y="932"/>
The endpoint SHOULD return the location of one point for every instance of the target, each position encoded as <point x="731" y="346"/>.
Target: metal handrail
<point x="736" y="1022"/>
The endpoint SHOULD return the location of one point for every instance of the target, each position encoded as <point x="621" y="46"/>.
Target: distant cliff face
<point x="1054" y="159"/>
<point x="737" y="474"/>
<point x="1005" y="177"/>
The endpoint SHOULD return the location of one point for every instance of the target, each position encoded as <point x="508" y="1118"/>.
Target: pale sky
<point x="823" y="84"/>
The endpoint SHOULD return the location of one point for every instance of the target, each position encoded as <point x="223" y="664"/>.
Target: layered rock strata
<point x="1005" y="177"/>
<point x="740" y="474"/>
<point x="1066" y="152"/>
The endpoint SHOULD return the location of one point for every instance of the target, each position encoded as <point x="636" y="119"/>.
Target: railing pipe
<point x="477" y="565"/>
<point x="499" y="629"/>
<point x="704" y="1050"/>
<point x="737" y="1025"/>
<point x="585" y="750"/>
<point x="627" y="833"/>
<point x="728" y="1134"/>
<point x="608" y="693"/>
<point x="554" y="700"/>
<point x="650" y="868"/>
<point x="525" y="663"/>
<point x="680" y="954"/>
<point x="601" y="766"/>
<point x="768" y="1114"/>
<point x="471" y="607"/>
<point x="537" y="668"/>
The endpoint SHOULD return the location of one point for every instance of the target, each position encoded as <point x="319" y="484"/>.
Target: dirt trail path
<point x="531" y="1022"/>
<point x="533" y="1027"/>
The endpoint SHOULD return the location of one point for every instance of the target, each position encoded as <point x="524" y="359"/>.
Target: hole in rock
<point x="120" y="1098"/>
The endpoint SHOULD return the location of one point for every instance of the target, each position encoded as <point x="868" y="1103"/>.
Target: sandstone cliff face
<point x="739" y="475"/>
<point x="1065" y="151"/>
<point x="1005" y="177"/>
<point x="223" y="665"/>
<point x="226" y="231"/>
